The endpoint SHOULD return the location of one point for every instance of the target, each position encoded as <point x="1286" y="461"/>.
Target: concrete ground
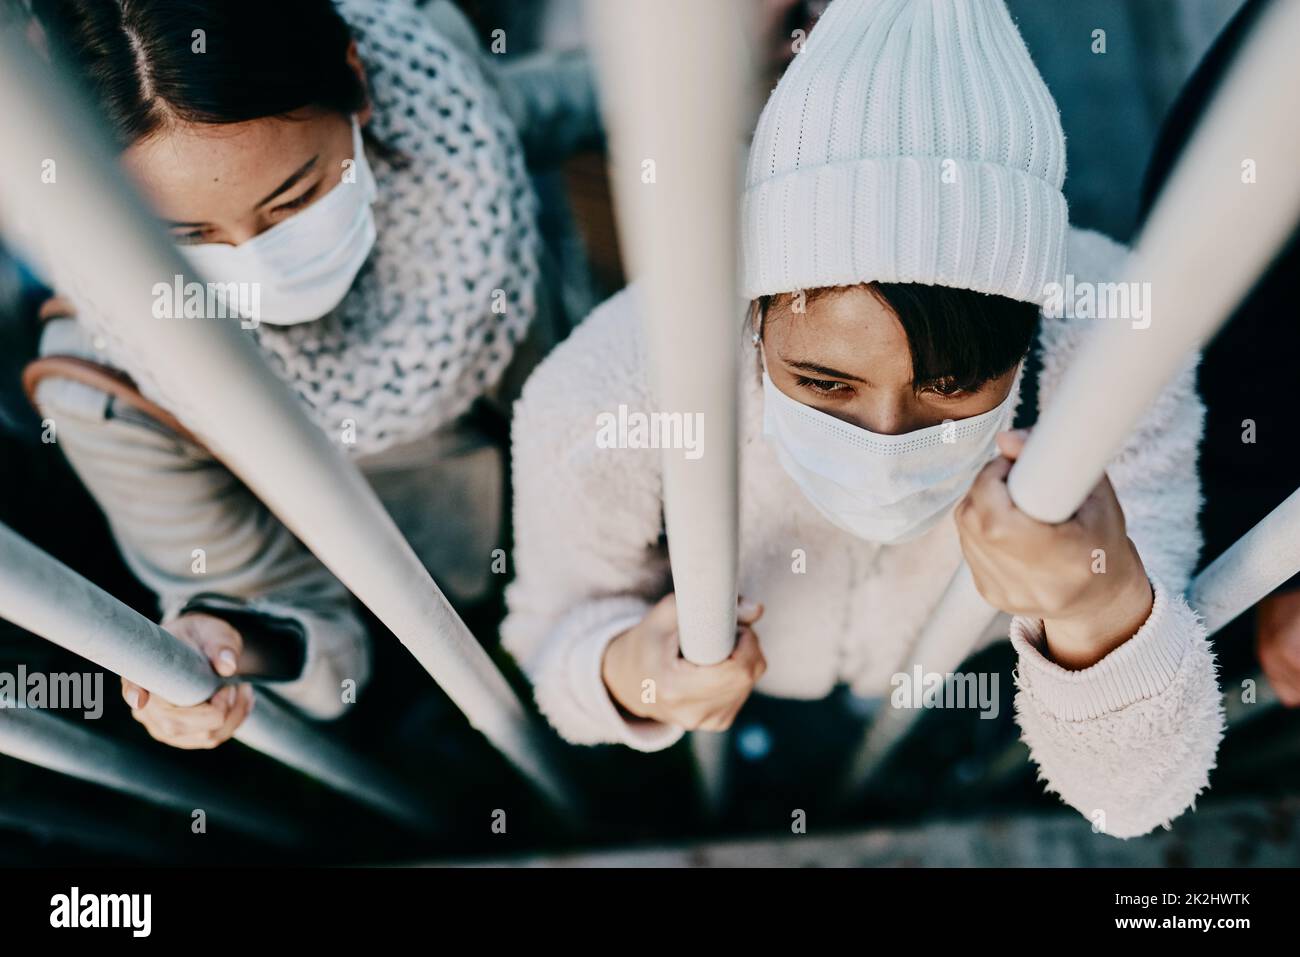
<point x="1237" y="833"/>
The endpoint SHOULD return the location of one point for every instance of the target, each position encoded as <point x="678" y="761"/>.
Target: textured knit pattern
<point x="1133" y="737"/>
<point x="434" y="316"/>
<point x="962" y="188"/>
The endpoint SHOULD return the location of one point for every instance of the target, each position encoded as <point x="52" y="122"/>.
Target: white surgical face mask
<point x="304" y="266"/>
<point x="881" y="488"/>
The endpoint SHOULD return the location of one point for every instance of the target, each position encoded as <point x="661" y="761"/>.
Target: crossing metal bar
<point x="40" y="738"/>
<point x="1208" y="224"/>
<point x="673" y="79"/>
<point x="106" y="250"/>
<point x="1255" y="565"/>
<point x="47" y="598"/>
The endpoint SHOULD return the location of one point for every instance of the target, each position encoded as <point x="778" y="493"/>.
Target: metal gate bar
<point x="673" y="77"/>
<point x="61" y="745"/>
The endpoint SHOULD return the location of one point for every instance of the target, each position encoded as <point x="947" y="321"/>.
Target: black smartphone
<point x="275" y="648"/>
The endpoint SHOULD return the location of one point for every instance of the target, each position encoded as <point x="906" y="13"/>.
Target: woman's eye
<point x="945" y="389"/>
<point x="296" y="204"/>
<point x="188" y="239"/>
<point x="823" y="386"/>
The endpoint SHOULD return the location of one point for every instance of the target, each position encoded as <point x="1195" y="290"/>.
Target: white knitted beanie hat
<point x="909" y="141"/>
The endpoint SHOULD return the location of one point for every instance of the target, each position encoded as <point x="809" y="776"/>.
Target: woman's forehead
<point x="848" y="329"/>
<point x="194" y="172"/>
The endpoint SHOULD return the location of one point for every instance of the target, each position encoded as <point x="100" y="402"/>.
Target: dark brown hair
<point x="260" y="58"/>
<point x="956" y="336"/>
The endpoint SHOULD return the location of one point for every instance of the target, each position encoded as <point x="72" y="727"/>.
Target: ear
<point x="357" y="67"/>
<point x="755" y="322"/>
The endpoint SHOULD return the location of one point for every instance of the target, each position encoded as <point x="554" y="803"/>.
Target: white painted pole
<point x="1208" y="239"/>
<point x="1253" y="568"/>
<point x="673" y="83"/>
<point x="1255" y="565"/>
<point x="61" y="745"/>
<point x="110" y="252"/>
<point x="673" y="76"/>
<point x="49" y="599"/>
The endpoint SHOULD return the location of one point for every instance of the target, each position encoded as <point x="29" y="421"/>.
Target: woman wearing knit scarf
<point x="903" y="223"/>
<point x="360" y="168"/>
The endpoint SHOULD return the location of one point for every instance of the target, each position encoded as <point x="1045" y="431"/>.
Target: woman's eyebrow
<point x="289" y="183"/>
<point x="283" y="187"/>
<point x="814" y="367"/>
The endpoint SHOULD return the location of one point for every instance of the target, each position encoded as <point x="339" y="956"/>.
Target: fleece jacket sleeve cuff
<point x="589" y="633"/>
<point x="1139" y="669"/>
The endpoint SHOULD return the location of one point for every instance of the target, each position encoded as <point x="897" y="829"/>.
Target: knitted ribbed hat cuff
<point x="934" y="220"/>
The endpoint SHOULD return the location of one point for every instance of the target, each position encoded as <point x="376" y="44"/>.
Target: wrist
<point x="1080" y="642"/>
<point x="613" y="670"/>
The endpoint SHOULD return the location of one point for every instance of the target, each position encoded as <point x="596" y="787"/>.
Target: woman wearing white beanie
<point x="902" y="220"/>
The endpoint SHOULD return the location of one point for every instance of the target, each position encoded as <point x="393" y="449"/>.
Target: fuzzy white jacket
<point x="1128" y="742"/>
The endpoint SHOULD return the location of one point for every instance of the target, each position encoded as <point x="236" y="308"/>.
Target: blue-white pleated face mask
<point x="304" y="266"/>
<point x="881" y="488"/>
